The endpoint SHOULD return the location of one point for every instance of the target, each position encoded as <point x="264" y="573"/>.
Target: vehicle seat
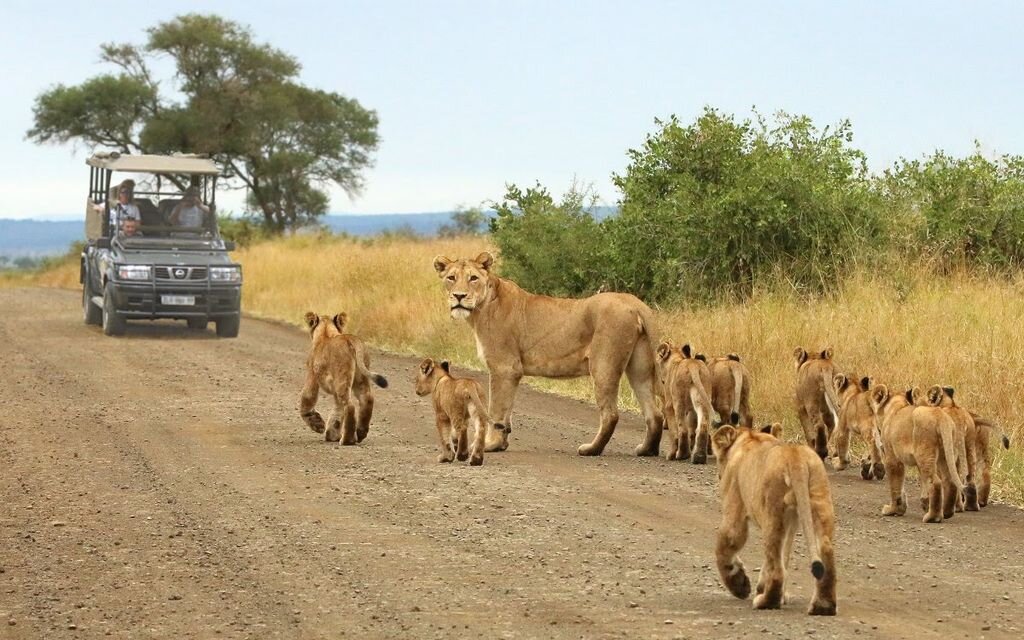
<point x="150" y="215"/>
<point x="166" y="206"/>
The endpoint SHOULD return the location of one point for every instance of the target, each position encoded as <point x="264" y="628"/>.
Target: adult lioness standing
<point x="520" y="333"/>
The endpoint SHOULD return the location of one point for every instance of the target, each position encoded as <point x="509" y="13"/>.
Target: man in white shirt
<point x="190" y="212"/>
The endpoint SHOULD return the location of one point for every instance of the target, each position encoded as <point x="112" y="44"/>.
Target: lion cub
<point x="816" y="401"/>
<point x="339" y="365"/>
<point x="730" y="388"/>
<point x="685" y="380"/>
<point x="856" y="416"/>
<point x="457" y="402"/>
<point x="781" y="487"/>
<point x="922" y="437"/>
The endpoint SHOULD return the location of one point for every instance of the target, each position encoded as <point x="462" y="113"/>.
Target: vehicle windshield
<point x="152" y="213"/>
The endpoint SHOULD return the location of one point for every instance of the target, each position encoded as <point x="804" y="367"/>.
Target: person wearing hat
<point x="125" y="209"/>
<point x="190" y="212"/>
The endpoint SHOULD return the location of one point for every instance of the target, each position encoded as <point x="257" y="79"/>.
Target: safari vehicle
<point x="154" y="268"/>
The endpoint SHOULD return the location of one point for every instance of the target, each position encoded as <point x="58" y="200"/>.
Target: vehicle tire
<point x="113" y="324"/>
<point x="90" y="312"/>
<point x="228" y="327"/>
<point x="197" y="324"/>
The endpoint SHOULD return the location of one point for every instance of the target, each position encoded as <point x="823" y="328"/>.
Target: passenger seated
<point x="190" y="212"/>
<point x="124" y="208"/>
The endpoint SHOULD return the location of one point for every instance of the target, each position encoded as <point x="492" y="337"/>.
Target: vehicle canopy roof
<point x="182" y="163"/>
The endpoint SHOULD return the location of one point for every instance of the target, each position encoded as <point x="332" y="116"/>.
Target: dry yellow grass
<point x="958" y="330"/>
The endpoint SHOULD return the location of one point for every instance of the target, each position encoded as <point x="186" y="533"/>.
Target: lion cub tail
<point x="361" y="360"/>
<point x="800" y="483"/>
<point x="985" y="423"/>
<point x="949" y="449"/>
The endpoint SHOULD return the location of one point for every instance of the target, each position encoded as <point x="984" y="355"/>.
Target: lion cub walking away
<point x="339" y="365"/>
<point x="457" y="402"/>
<point x="816" y="401"/>
<point x="685" y="380"/>
<point x="922" y="437"/>
<point x="730" y="388"/>
<point x="857" y="416"/>
<point x="781" y="487"/>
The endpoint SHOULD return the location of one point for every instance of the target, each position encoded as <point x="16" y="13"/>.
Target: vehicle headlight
<point x="226" y="274"/>
<point x="133" y="272"/>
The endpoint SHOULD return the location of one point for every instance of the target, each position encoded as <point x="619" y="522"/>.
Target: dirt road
<point x="162" y="485"/>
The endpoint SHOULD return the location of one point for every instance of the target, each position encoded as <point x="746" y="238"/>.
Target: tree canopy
<point x="232" y="98"/>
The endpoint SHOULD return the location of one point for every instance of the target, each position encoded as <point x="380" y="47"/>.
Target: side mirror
<point x="102" y="243"/>
<point x="229" y="245"/>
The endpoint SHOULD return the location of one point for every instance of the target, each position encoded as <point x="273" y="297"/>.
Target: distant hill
<point x="36" y="238"/>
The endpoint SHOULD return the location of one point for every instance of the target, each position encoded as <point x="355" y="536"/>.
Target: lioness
<point x="856" y="416"/>
<point x="924" y="437"/>
<point x="456" y="404"/>
<point x="986" y="429"/>
<point x="781" y="487"/>
<point x="730" y="388"/>
<point x="687" y="405"/>
<point x="967" y="439"/>
<point x="520" y="333"/>
<point x="816" y="402"/>
<point x="339" y="364"/>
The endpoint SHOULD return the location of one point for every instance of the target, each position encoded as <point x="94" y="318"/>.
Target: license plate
<point x="178" y="301"/>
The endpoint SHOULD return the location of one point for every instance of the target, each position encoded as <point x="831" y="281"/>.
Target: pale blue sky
<point x="472" y="95"/>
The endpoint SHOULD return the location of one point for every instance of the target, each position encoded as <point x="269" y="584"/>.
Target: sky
<point x="474" y="95"/>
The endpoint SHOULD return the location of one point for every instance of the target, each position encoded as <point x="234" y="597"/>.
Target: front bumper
<point x="142" y="300"/>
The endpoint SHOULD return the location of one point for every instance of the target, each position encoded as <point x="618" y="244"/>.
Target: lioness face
<point x="322" y="327"/>
<point x="465" y="281"/>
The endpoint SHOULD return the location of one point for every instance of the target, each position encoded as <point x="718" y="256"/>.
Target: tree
<point x="470" y="221"/>
<point x="240" y="104"/>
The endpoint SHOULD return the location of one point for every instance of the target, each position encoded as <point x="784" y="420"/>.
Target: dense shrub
<point x="711" y="208"/>
<point x="548" y="247"/>
<point x="962" y="211"/>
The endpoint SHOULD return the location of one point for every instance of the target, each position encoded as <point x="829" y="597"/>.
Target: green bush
<point x="962" y="211"/>
<point x="548" y="247"/>
<point x="713" y="208"/>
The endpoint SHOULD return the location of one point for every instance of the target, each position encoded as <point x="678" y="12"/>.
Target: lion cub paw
<point x="737" y="582"/>
<point x="476" y="459"/>
<point x="822" y="608"/>
<point x="316" y="422"/>
<point x="447" y="456"/>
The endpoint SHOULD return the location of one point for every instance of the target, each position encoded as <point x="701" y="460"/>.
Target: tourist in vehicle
<point x="130" y="227"/>
<point x="124" y="208"/>
<point x="190" y="212"/>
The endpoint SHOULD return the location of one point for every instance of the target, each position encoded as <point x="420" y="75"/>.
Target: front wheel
<point x="113" y="324"/>
<point x="90" y="312"/>
<point x="228" y="327"/>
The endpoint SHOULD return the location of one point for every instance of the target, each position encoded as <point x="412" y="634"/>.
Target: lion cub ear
<point x="485" y="260"/>
<point x="427" y="366"/>
<point x="311" y="320"/>
<point x="339" y="320"/>
<point x="441" y="264"/>
<point x="949" y="391"/>
<point x="913" y="394"/>
<point x="664" y="350"/>
<point x="774" y="430"/>
<point x="800" y="355"/>
<point x="722" y="439"/>
<point x="826" y="353"/>
<point x="686" y="350"/>
<point x="446" y="366"/>
<point x="865" y="383"/>
<point x="840" y="381"/>
<point x="701" y="357"/>
<point x="879" y="395"/>
<point x="934" y="395"/>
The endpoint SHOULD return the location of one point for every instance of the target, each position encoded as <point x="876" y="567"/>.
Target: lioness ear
<point x="686" y="350"/>
<point x="800" y="354"/>
<point x="441" y="264"/>
<point x="485" y="260"/>
<point x="445" y="366"/>
<point x="426" y="366"/>
<point x="722" y="439"/>
<point x="839" y="381"/>
<point x="865" y="383"/>
<point x="311" y="320"/>
<point x="827" y="353"/>
<point x="339" y="321"/>
<point x="664" y="351"/>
